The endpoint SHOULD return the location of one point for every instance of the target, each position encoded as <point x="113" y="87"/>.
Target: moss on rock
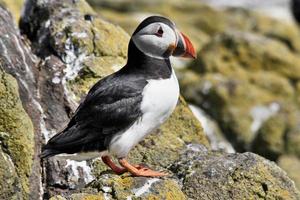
<point x="214" y="175"/>
<point x="11" y="187"/>
<point x="80" y="196"/>
<point x="125" y="187"/>
<point x="15" y="7"/>
<point x="270" y="138"/>
<point x="293" y="142"/>
<point x="14" y="121"/>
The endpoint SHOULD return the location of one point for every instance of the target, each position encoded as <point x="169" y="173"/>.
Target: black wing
<point x="112" y="105"/>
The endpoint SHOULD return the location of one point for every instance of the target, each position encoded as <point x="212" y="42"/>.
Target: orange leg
<point x="113" y="166"/>
<point x="140" y="171"/>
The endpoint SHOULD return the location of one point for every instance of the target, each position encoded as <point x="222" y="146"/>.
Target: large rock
<point x="17" y="63"/>
<point x="214" y="175"/>
<point x="15" y="8"/>
<point x="16" y="141"/>
<point x="11" y="187"/>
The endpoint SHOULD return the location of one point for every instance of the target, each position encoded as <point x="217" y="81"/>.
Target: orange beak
<point x="184" y="47"/>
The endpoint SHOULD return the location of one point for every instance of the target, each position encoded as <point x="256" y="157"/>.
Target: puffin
<point x="124" y="107"/>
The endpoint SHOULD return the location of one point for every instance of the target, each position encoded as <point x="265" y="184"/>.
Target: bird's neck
<point x="157" y="67"/>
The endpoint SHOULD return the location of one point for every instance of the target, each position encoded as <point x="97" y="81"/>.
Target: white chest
<point x="159" y="100"/>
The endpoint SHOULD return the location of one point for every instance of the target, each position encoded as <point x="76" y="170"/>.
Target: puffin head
<point x="158" y="37"/>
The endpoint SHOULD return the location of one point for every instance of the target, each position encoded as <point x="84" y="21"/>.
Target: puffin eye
<point x="159" y="32"/>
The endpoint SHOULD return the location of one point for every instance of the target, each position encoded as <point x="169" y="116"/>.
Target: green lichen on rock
<point x="15" y="7"/>
<point x="11" y="187"/>
<point x="126" y="187"/>
<point x="14" y="121"/>
<point x="80" y="196"/>
<point x="215" y="175"/>
<point x="270" y="138"/>
<point x="95" y="46"/>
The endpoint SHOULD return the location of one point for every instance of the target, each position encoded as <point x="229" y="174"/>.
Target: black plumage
<point x="295" y="6"/>
<point x="111" y="106"/>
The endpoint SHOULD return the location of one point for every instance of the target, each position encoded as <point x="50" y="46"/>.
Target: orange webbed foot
<point x="140" y="170"/>
<point x="118" y="170"/>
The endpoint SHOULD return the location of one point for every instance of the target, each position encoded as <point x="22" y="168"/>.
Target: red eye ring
<point x="159" y="32"/>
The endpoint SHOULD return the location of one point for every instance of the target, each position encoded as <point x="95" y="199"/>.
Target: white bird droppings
<point x="145" y="188"/>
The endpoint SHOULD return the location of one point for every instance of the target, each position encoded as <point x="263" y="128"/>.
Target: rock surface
<point x="14" y="7"/>
<point x="16" y="141"/>
<point x="17" y="63"/>
<point x="213" y="175"/>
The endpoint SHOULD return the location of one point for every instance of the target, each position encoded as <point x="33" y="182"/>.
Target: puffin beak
<point x="184" y="47"/>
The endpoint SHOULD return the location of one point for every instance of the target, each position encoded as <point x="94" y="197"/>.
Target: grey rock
<point x="215" y="175"/>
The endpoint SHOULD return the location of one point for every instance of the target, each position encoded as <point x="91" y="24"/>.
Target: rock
<point x="14" y="7"/>
<point x="16" y="141"/>
<point x="242" y="86"/>
<point x="82" y="46"/>
<point x="215" y="175"/>
<point x="215" y="136"/>
<point x="291" y="164"/>
<point x="10" y="188"/>
<point x="125" y="187"/>
<point x="269" y="141"/>
<point x="18" y="103"/>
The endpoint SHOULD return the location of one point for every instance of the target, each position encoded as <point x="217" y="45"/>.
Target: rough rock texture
<point x="213" y="175"/>
<point x="11" y="187"/>
<point x="14" y="7"/>
<point x="17" y="133"/>
<point x="202" y="174"/>
<point x="16" y="140"/>
<point x="126" y="187"/>
<point x="74" y="34"/>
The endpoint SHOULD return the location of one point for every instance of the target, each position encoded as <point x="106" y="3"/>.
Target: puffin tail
<point x="47" y="152"/>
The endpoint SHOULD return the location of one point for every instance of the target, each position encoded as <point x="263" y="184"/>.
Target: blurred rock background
<point x="243" y="89"/>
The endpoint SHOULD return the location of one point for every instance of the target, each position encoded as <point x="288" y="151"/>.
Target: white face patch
<point x="151" y="43"/>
